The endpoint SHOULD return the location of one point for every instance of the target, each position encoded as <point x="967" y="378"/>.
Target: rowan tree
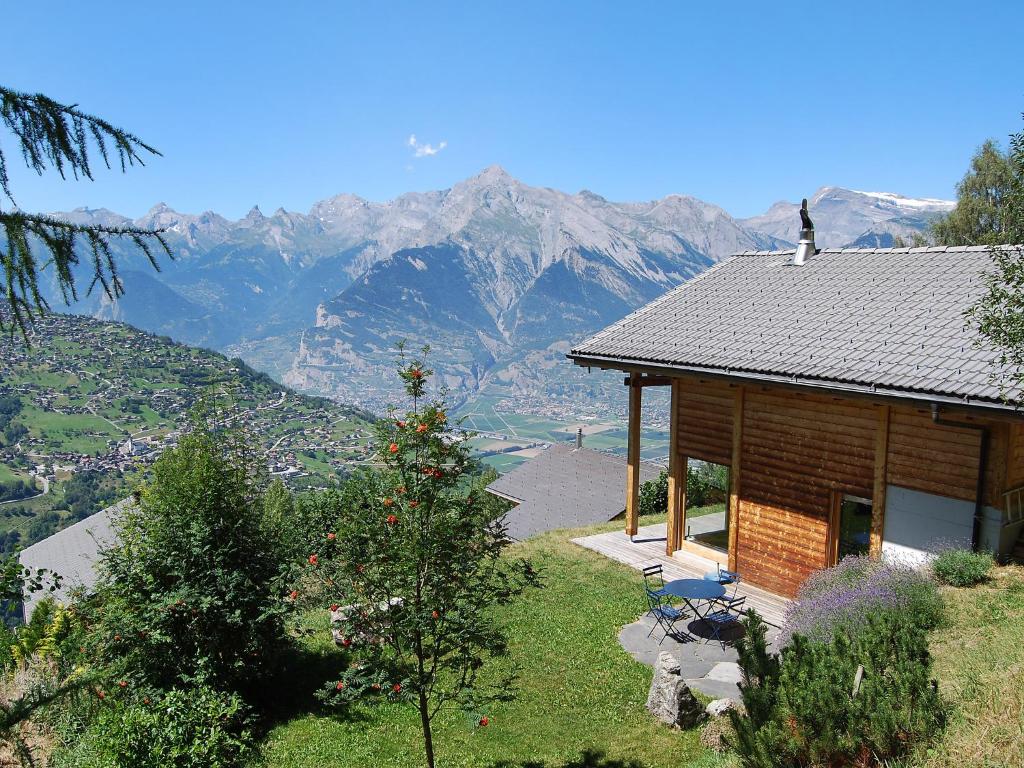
<point x="415" y="566"/>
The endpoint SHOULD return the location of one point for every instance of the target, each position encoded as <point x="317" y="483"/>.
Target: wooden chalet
<point x="847" y="393"/>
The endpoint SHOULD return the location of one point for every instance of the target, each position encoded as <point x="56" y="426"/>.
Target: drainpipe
<point x="979" y="493"/>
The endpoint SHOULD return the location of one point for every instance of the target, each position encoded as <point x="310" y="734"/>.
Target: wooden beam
<point x="676" y="479"/>
<point x="734" y="474"/>
<point x="647" y="381"/>
<point x="633" y="457"/>
<point x="880" y="482"/>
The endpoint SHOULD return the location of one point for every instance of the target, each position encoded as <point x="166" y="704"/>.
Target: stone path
<point x="706" y="666"/>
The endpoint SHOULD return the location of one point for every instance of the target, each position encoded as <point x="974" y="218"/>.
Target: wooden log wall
<point x="705" y="420"/>
<point x="943" y="460"/>
<point x="797" y="449"/>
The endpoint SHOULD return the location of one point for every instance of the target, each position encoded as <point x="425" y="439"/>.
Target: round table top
<point x="695" y="589"/>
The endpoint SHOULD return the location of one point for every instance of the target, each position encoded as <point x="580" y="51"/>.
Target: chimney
<point x="579" y="437"/>
<point x="805" y="248"/>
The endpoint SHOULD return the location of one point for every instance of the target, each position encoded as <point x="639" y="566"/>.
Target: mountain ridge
<point x="491" y="270"/>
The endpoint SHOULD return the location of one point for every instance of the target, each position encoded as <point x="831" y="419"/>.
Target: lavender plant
<point x="844" y="596"/>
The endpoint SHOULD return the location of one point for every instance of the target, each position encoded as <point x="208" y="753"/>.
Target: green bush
<point x="194" y="728"/>
<point x="195" y="587"/>
<point x="962" y="567"/>
<point x="654" y="496"/>
<point x="807" y="708"/>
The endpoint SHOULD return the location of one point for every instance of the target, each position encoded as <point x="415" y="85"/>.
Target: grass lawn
<point x="979" y="662"/>
<point x="578" y="691"/>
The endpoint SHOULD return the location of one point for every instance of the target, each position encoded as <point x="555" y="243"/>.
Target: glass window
<point x="854" y="526"/>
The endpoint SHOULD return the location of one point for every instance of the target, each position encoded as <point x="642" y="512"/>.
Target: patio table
<point x="696" y="591"/>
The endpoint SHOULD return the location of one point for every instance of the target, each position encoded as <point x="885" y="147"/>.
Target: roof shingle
<point x="887" y="319"/>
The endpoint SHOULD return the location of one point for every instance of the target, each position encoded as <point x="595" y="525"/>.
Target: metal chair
<point x="654" y="580"/>
<point x="665" y="616"/>
<point x="719" y="620"/>
<point x="722" y="576"/>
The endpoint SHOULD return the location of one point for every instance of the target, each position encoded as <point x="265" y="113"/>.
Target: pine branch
<point x="55" y="135"/>
<point x="51" y="134"/>
<point x="21" y="270"/>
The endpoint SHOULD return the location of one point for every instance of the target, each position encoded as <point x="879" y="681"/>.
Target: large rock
<point x="670" y="699"/>
<point x="721" y="707"/>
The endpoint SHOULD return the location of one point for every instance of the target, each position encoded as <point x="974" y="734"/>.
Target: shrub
<point x="194" y="587"/>
<point x="194" y="728"/>
<point x="962" y="567"/>
<point x="654" y="496"/>
<point x="859" y="699"/>
<point x="846" y="595"/>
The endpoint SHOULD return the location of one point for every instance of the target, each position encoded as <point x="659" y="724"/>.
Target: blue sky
<point x="742" y="104"/>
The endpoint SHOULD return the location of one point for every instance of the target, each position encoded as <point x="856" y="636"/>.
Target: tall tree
<point x="990" y="211"/>
<point x="56" y="136"/>
<point x="417" y="559"/>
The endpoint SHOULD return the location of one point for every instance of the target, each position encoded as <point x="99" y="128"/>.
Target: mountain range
<point x="498" y="276"/>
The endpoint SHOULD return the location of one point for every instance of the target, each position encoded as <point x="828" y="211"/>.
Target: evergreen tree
<point x="60" y="137"/>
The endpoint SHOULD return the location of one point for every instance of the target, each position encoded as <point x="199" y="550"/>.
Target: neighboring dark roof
<point x="880" y="320"/>
<point x="72" y="554"/>
<point x="565" y="487"/>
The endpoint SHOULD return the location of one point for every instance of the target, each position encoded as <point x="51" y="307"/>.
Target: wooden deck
<point x="648" y="548"/>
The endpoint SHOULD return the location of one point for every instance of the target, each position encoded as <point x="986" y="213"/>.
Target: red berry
<point x="421" y="428"/>
<point x="435" y="615"/>
<point x="346" y="642"/>
<point x="484" y="720"/>
<point x="294" y="595"/>
<point x="388" y="501"/>
<point x="331" y="537"/>
<point x="376" y="686"/>
<point x="391" y="520"/>
<point x="123" y="683"/>
<point x="416" y="373"/>
<point x="414" y="503"/>
<point x="340" y="685"/>
<point x="334" y="607"/>
<point x="401" y="424"/>
<point x="313" y="559"/>
<point x="396" y="687"/>
<point x="393" y="447"/>
<point x="117" y="637"/>
<point x="145" y="699"/>
<point x="101" y="694"/>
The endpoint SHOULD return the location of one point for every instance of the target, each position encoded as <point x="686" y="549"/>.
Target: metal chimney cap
<point x="579" y="437"/>
<point x="805" y="248"/>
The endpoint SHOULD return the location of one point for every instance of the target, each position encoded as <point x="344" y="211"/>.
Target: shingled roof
<point x="565" y="487"/>
<point x="72" y="554"/>
<point x="887" y="321"/>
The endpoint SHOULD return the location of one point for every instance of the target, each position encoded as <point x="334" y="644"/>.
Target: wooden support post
<point x="734" y="475"/>
<point x="676" y="479"/>
<point x="633" y="456"/>
<point x="881" y="479"/>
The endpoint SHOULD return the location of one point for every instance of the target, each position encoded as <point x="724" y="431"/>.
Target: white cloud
<point x="424" y="150"/>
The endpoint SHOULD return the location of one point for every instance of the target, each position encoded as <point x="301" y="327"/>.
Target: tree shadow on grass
<point x="291" y="692"/>
<point x="589" y="758"/>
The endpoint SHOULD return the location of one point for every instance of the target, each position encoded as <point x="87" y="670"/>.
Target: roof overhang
<point x="850" y="389"/>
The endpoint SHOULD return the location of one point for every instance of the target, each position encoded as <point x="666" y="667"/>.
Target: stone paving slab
<point x="705" y="664"/>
